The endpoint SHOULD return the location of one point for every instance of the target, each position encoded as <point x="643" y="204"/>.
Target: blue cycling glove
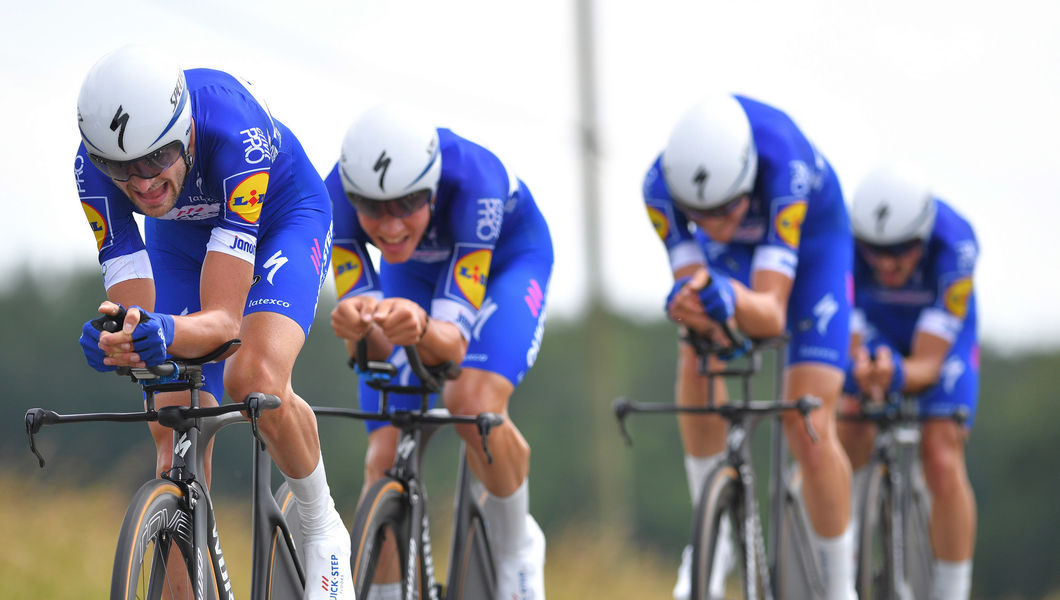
<point x="719" y="301"/>
<point x="94" y="355"/>
<point x="152" y="336"/>
<point x="678" y="284"/>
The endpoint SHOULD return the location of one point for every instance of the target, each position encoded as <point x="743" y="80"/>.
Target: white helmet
<point x="889" y="208"/>
<point x="710" y="157"/>
<point x="388" y="154"/>
<point x="133" y="102"/>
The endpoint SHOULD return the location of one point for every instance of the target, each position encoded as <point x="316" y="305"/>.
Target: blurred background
<point x="578" y="97"/>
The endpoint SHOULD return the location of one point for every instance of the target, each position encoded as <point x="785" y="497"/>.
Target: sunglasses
<point x="399" y="208"/>
<point x="890" y="250"/>
<point x="722" y="210"/>
<point x="145" y="167"/>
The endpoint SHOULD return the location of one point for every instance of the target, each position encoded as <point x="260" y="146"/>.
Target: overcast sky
<point x="968" y="92"/>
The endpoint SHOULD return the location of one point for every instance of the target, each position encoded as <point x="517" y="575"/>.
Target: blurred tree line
<point x="1013" y="466"/>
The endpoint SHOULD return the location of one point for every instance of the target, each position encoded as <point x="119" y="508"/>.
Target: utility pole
<point x="611" y="465"/>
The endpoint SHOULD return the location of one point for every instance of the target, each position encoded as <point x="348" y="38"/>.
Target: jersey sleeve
<point x="670" y="224"/>
<point x="480" y="187"/>
<point x="955" y="264"/>
<point x="785" y="188"/>
<point x="238" y="139"/>
<point x="352" y="267"/>
<point x="119" y="244"/>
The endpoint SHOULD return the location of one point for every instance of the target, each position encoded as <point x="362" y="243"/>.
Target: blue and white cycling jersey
<point x="938" y="299"/>
<point x="251" y="193"/>
<point x="484" y="262"/>
<point x="796" y="225"/>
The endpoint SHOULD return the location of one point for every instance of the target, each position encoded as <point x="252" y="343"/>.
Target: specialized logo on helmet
<point x="700" y="179"/>
<point x="247" y="197"/>
<point x="98" y="224"/>
<point x="957" y="296"/>
<point x="381" y="164"/>
<point x="120" y="120"/>
<point x="659" y="222"/>
<point x="788" y="223"/>
<point x="348" y="269"/>
<point x="882" y="213"/>
<point x="470" y="274"/>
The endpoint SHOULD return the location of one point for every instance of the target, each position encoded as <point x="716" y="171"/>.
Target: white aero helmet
<point x="388" y="154"/>
<point x="889" y="208"/>
<point x="710" y="157"/>
<point x="133" y="103"/>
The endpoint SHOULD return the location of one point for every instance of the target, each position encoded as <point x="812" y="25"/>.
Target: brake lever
<point x="806" y="405"/>
<point x="253" y="412"/>
<point x="33" y="425"/>
<point x="485" y="422"/>
<point x="622" y="410"/>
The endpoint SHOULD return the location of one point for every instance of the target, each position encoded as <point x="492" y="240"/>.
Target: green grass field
<point x="60" y="544"/>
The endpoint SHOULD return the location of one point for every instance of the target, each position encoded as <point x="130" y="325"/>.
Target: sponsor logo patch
<point x="97" y="223"/>
<point x="659" y="222"/>
<point x="247" y="197"/>
<point x="471" y="273"/>
<point x="957" y="295"/>
<point x="348" y="269"/>
<point x="788" y="223"/>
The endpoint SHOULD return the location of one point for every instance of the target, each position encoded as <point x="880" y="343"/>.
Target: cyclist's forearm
<point x="442" y="341"/>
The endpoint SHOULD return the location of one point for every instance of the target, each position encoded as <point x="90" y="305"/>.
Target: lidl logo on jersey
<point x="97" y="223"/>
<point x="470" y="272"/>
<point x="957" y="296"/>
<point x="659" y="222"/>
<point x="248" y="195"/>
<point x="348" y="269"/>
<point x="788" y="223"/>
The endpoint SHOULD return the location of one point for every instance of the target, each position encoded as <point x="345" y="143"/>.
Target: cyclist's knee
<point x="943" y="460"/>
<point x="478" y="391"/>
<point x="247" y="377"/>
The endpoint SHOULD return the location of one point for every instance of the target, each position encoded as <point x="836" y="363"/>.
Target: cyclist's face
<point x="721" y="228"/>
<point x="397" y="237"/>
<point x="894" y="270"/>
<point x="158" y="195"/>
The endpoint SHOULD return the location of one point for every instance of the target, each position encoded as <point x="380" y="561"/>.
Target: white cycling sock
<point x="836" y="565"/>
<point x="316" y="508"/>
<point x="697" y="468"/>
<point x="506" y="518"/>
<point x="385" y="591"/>
<point x="952" y="580"/>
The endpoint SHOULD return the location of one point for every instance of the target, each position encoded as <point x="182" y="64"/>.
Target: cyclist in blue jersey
<point x="238" y="234"/>
<point x="757" y="234"/>
<point x="466" y="261"/>
<point x="914" y="331"/>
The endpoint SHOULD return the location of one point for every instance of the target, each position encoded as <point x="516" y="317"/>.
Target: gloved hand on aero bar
<point x="678" y="284"/>
<point x="719" y="301"/>
<point x="94" y="355"/>
<point x="152" y="336"/>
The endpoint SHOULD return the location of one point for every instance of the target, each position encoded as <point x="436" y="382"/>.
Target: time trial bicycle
<point x="168" y="546"/>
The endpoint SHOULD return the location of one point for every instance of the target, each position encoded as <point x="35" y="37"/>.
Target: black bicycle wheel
<point x="718" y="539"/>
<point x="379" y="537"/>
<point x="473" y="574"/>
<point x="282" y="578"/>
<point x="876" y="564"/>
<point x="155" y="547"/>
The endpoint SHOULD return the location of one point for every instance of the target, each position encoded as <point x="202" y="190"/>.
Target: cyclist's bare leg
<point x="701" y="435"/>
<point x="953" y="511"/>
<point x="824" y="464"/>
<point x="382" y="447"/>
<point x="856" y="437"/>
<point x="477" y="391"/>
<point x="271" y="343"/>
